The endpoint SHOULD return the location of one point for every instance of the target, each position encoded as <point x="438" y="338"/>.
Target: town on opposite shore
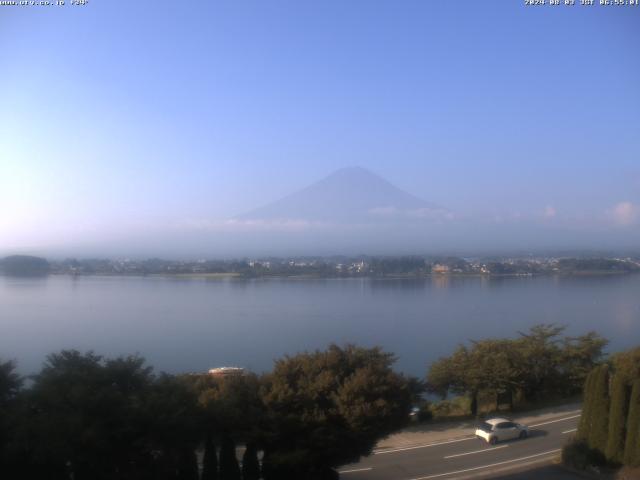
<point x="336" y="266"/>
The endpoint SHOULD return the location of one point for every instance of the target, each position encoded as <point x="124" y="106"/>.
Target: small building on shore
<point x="439" y="268"/>
<point x="226" y="372"/>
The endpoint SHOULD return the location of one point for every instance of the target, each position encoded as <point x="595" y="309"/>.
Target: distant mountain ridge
<point x="348" y="195"/>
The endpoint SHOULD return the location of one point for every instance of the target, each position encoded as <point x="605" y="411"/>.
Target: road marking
<point x="570" y="431"/>
<point x="476" y="451"/>
<point x="424" y="446"/>
<point x="555" y="421"/>
<point x="355" y="470"/>
<point x="472" y="437"/>
<point x="487" y="466"/>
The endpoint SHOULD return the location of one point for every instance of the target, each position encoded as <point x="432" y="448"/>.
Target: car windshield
<point x="485" y="427"/>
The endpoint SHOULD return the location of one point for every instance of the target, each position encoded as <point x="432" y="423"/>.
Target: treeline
<point x="88" y="417"/>
<point x="24" y="265"/>
<point x="538" y="364"/>
<point x="364" y="265"/>
<point x="609" y="429"/>
<point x="580" y="265"/>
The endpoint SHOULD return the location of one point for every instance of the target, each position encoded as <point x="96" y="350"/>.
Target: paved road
<point x="466" y="457"/>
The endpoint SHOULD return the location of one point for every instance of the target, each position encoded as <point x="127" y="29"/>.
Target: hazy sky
<point x="122" y="118"/>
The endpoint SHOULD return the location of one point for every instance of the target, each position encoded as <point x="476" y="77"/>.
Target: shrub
<point x="250" y="463"/>
<point x="579" y="455"/>
<point x="617" y="419"/>
<point x="210" y="460"/>
<point x="599" y="431"/>
<point x="632" y="444"/>
<point x="442" y="408"/>
<point x="229" y="468"/>
<point x="425" y="414"/>
<point x="587" y="406"/>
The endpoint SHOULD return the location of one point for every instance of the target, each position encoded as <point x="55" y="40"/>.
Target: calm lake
<point x="195" y="324"/>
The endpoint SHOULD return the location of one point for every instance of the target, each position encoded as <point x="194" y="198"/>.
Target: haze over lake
<point x="195" y="324"/>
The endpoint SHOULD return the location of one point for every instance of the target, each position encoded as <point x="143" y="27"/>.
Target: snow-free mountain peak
<point x="348" y="195"/>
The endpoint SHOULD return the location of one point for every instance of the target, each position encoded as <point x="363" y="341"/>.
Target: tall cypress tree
<point x="599" y="416"/>
<point x="187" y="464"/>
<point x="632" y="443"/>
<point x="617" y="419"/>
<point x="587" y="406"/>
<point x="210" y="460"/>
<point x="229" y="469"/>
<point x="250" y="464"/>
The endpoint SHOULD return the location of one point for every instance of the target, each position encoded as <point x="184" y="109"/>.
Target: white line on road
<point x="554" y="421"/>
<point x="424" y="446"/>
<point x="570" y="431"/>
<point x="471" y="437"/>
<point x="356" y="470"/>
<point x="487" y="466"/>
<point x="476" y="451"/>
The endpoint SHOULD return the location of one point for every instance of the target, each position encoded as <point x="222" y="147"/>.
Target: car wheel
<point x="493" y="440"/>
<point x="523" y="434"/>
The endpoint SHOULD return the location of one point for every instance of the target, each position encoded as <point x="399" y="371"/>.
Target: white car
<point x="496" y="429"/>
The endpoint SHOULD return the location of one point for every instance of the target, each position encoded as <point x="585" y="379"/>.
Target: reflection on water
<point x="186" y="324"/>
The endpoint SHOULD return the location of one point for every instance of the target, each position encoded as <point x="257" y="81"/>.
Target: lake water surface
<point x="194" y="324"/>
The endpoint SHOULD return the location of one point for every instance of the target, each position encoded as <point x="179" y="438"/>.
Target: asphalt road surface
<point x="466" y="457"/>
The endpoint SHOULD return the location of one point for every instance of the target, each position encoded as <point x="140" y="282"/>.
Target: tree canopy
<point x="536" y="364"/>
<point x="91" y="417"/>
<point x="610" y="421"/>
<point x="329" y="408"/>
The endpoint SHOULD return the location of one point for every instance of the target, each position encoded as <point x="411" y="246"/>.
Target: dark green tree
<point x="10" y="384"/>
<point x="187" y="464"/>
<point x="456" y="374"/>
<point x="229" y="468"/>
<point x="444" y="376"/>
<point x="540" y="361"/>
<point x="580" y="355"/>
<point x="627" y="364"/>
<point x="632" y="444"/>
<point x="617" y="419"/>
<point x="489" y="367"/>
<point x="599" y="429"/>
<point x="328" y="408"/>
<point x="172" y="425"/>
<point x="250" y="463"/>
<point x="83" y="415"/>
<point x="538" y="364"/>
<point x="495" y="368"/>
<point x="584" y="426"/>
<point x="230" y="404"/>
<point x="210" y="460"/>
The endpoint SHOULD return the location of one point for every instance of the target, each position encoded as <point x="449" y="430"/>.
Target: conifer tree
<point x="632" y="443"/>
<point x="188" y="465"/>
<point x="587" y="406"/>
<point x="617" y="419"/>
<point x="599" y="416"/>
<point x="229" y="468"/>
<point x="250" y="464"/>
<point x="210" y="460"/>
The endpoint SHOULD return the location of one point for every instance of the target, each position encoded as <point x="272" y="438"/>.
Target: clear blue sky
<point x="133" y="115"/>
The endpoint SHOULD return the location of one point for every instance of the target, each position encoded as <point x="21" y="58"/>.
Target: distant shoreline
<point x="236" y="275"/>
<point x="192" y="275"/>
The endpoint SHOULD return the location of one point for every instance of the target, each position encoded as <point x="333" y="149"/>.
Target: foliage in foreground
<point x="579" y="455"/>
<point x="330" y="407"/>
<point x="94" y="418"/>
<point x="610" y="423"/>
